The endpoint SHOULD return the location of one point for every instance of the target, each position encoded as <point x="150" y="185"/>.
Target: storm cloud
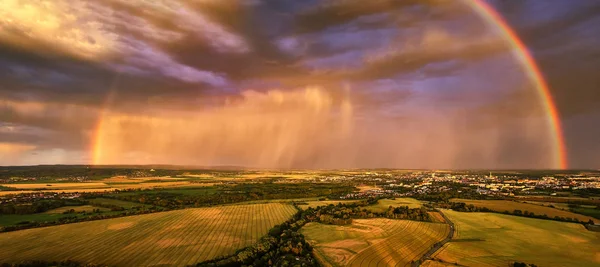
<point x="293" y="84"/>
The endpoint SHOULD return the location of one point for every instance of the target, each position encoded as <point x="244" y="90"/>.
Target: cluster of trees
<point x="342" y="214"/>
<point x="458" y="191"/>
<point x="461" y="206"/>
<point x="232" y="194"/>
<point x="283" y="246"/>
<point x="522" y="264"/>
<point x="37" y="206"/>
<point x="114" y="207"/>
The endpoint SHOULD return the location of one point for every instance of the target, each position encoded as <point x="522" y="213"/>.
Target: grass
<point x="174" y="238"/>
<point x="506" y="205"/>
<point x="592" y="212"/>
<point x="373" y="242"/>
<point x="384" y="204"/>
<point x="490" y="239"/>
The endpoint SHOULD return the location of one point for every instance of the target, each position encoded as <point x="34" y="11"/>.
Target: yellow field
<point x="432" y="263"/>
<point x="490" y="239"/>
<point x="317" y="203"/>
<point x="56" y="186"/>
<point x="125" y="179"/>
<point x="502" y="205"/>
<point x="364" y="188"/>
<point x="436" y="217"/>
<point x="100" y="187"/>
<point x="373" y="242"/>
<point x="86" y="208"/>
<point x="384" y="204"/>
<point x="174" y="238"/>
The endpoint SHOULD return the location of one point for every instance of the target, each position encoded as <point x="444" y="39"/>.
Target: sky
<point x="296" y="84"/>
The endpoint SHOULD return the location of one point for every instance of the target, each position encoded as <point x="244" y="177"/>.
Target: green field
<point x="490" y="239"/>
<point x="384" y="204"/>
<point x="588" y="210"/>
<point x="174" y="238"/>
<point x="13" y="219"/>
<point x="373" y="242"/>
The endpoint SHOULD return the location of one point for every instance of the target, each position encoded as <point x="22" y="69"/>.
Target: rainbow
<point x="521" y="52"/>
<point x="493" y="19"/>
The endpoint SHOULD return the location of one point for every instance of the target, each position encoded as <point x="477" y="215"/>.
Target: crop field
<point x="503" y="205"/>
<point x="373" y="242"/>
<point x="436" y="216"/>
<point x="56" y="186"/>
<point x="86" y="208"/>
<point x="364" y="188"/>
<point x="317" y="203"/>
<point x="587" y="210"/>
<point x="490" y="239"/>
<point x="96" y="187"/>
<point x="174" y="238"/>
<point x="129" y="180"/>
<point x="384" y="204"/>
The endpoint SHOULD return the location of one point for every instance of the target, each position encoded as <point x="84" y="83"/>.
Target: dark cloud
<point x="388" y="57"/>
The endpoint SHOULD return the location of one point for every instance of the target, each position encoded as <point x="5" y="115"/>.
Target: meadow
<point x="174" y="238"/>
<point x="507" y="205"/>
<point x="373" y="242"/>
<point x="491" y="239"/>
<point x="383" y="204"/>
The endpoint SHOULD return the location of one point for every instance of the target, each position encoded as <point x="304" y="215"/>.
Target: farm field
<point x="490" y="239"/>
<point x="384" y="204"/>
<point x="364" y="188"/>
<point x="32" y="186"/>
<point x="373" y="242"/>
<point x="436" y="217"/>
<point x="503" y="205"/>
<point x="588" y="210"/>
<point x="317" y="203"/>
<point x="174" y="238"/>
<point x="96" y="187"/>
<point x="86" y="208"/>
